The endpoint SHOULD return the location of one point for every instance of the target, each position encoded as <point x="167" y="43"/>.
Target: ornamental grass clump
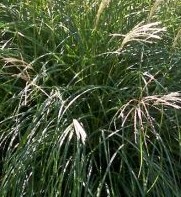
<point x="83" y="113"/>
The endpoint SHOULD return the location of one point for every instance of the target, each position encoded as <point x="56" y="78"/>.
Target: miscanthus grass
<point x="90" y="98"/>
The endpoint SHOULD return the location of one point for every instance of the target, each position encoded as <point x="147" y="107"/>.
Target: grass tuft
<point x="85" y="115"/>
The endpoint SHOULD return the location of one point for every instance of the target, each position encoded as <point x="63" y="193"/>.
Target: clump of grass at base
<point x="84" y="113"/>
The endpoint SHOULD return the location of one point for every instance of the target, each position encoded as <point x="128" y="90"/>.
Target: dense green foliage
<point x="89" y="98"/>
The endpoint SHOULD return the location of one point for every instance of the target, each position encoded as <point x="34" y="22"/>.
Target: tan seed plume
<point x="154" y="8"/>
<point x="103" y="5"/>
<point x="177" y="39"/>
